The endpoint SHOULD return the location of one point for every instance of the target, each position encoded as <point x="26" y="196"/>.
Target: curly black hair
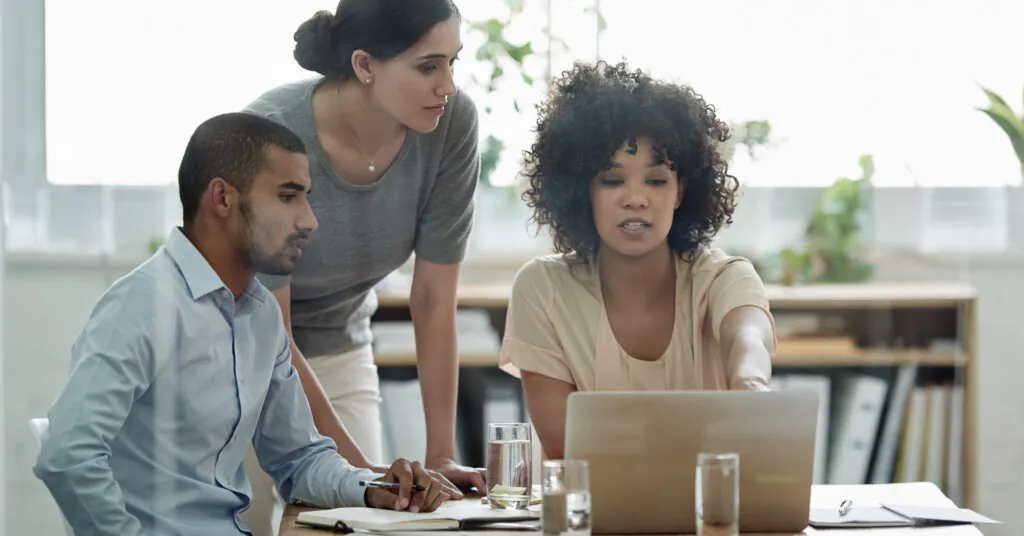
<point x="590" y="112"/>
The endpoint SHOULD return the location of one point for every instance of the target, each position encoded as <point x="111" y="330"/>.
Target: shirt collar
<point x="197" y="272"/>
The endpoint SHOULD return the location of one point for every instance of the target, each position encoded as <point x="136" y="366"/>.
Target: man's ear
<point x="222" y="197"/>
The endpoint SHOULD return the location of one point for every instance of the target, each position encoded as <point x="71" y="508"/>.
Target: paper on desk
<point x="931" y="514"/>
<point x="857" y="517"/>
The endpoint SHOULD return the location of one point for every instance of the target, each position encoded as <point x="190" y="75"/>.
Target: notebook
<point x="456" y="517"/>
<point x="889" y="515"/>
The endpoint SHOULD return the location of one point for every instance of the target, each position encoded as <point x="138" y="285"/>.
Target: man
<point x="184" y="362"/>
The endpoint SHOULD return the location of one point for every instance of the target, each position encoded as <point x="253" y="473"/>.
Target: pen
<point x="387" y="485"/>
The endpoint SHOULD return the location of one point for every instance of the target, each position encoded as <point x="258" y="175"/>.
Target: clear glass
<point x="565" y="496"/>
<point x="717" y="497"/>
<point x="509" y="464"/>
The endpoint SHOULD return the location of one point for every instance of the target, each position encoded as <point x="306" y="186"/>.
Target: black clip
<point x="342" y="528"/>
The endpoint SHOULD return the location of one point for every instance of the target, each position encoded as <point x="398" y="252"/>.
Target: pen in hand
<point x="394" y="486"/>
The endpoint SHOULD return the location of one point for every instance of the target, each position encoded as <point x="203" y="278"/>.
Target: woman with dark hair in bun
<point x="394" y="163"/>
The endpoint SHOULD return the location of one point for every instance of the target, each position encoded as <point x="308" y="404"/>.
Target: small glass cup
<point x="717" y="494"/>
<point x="509" y="466"/>
<point x="565" y="497"/>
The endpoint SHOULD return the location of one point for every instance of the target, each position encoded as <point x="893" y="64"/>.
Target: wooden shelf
<point x="783" y="359"/>
<point x="840" y="296"/>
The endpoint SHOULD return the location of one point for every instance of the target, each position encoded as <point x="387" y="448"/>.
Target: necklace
<point x="371" y="160"/>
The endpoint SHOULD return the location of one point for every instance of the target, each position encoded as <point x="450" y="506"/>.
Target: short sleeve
<point x="530" y="342"/>
<point x="443" y="230"/>
<point x="736" y="285"/>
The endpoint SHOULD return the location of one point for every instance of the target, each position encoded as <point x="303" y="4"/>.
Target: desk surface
<point x="922" y="493"/>
<point x="825" y="296"/>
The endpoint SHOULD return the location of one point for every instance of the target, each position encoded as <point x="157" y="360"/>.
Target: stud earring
<point x="367" y="80"/>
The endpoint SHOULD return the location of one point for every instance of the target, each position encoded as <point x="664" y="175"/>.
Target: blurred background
<point x="880" y="145"/>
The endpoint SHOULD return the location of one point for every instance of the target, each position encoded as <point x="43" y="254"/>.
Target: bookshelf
<point x="872" y="330"/>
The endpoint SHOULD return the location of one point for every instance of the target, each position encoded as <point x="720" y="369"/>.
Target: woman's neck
<point x="343" y="109"/>
<point x="637" y="281"/>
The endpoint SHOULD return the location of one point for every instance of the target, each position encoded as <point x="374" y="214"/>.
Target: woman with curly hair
<point x="627" y="174"/>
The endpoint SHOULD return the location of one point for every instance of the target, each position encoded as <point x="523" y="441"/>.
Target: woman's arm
<point x="432" y="303"/>
<point x="324" y="417"/>
<point x="546" y="400"/>
<point x="748" y="342"/>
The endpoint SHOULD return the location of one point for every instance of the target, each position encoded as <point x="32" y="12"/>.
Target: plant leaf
<point x="998" y="104"/>
<point x="1012" y="129"/>
<point x="517" y="53"/>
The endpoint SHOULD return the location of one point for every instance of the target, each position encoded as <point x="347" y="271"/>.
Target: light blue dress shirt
<point x="171" y="379"/>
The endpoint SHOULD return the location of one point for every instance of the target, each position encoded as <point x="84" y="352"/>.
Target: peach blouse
<point x="557" y="326"/>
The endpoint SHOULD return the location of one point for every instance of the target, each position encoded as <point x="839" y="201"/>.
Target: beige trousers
<point x="352" y="385"/>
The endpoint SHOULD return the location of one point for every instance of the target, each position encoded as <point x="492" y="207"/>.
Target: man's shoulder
<point x="152" y="287"/>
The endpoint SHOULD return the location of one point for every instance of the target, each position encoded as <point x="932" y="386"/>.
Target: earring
<point x="368" y="80"/>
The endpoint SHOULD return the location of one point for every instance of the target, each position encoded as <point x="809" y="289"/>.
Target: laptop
<point x="642" y="450"/>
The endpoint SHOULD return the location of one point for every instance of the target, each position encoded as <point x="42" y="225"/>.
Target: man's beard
<point x="259" y="259"/>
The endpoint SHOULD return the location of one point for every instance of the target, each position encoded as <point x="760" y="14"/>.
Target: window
<point x="127" y="82"/>
<point x="899" y="80"/>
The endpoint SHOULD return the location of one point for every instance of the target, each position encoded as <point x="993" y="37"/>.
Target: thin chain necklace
<point x="371" y="160"/>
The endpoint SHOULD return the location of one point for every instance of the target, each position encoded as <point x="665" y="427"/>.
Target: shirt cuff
<point x="352" y="494"/>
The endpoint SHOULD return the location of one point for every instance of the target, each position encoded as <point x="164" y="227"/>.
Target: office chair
<point x="38" y="427"/>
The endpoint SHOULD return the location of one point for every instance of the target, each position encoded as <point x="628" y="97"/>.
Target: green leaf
<point x="867" y="167"/>
<point x="518" y="53"/>
<point x="528" y="79"/>
<point x="997" y="102"/>
<point x="515" y="104"/>
<point x="602" y="24"/>
<point x="515" y="6"/>
<point x="1012" y="129"/>
<point x="497" y="72"/>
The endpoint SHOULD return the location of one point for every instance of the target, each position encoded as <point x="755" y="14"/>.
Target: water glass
<point x="509" y="464"/>
<point x="565" y="496"/>
<point x="717" y="494"/>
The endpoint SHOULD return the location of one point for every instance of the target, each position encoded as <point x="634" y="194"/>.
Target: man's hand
<point x="407" y="475"/>
<point x="460" y="475"/>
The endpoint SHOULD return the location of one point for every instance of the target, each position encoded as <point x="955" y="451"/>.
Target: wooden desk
<point x="921" y="493"/>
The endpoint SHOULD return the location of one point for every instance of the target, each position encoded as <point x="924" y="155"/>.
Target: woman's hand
<point x="459" y="475"/>
<point x="408" y="475"/>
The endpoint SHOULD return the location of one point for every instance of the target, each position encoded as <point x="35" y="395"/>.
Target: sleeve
<point x="737" y="285"/>
<point x="443" y="230"/>
<point x="113" y="364"/>
<point x="530" y="342"/>
<point x="305" y="464"/>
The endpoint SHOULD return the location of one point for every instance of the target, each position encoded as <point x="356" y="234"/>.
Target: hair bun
<point x="313" y="46"/>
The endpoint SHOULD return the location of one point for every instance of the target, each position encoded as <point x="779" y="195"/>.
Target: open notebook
<point x="444" y="518"/>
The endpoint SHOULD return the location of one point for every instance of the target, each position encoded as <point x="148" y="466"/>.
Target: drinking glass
<point x="717" y="494"/>
<point x="509" y="464"/>
<point x="565" y="496"/>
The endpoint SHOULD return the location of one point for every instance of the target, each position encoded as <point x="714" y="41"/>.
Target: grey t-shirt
<point x="423" y="203"/>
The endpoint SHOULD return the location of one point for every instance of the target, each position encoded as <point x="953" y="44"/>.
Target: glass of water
<point x="565" y="496"/>
<point x="509" y="464"/>
<point x="717" y="494"/>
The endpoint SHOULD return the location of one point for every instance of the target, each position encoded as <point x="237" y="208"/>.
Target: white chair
<point x="38" y="427"/>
